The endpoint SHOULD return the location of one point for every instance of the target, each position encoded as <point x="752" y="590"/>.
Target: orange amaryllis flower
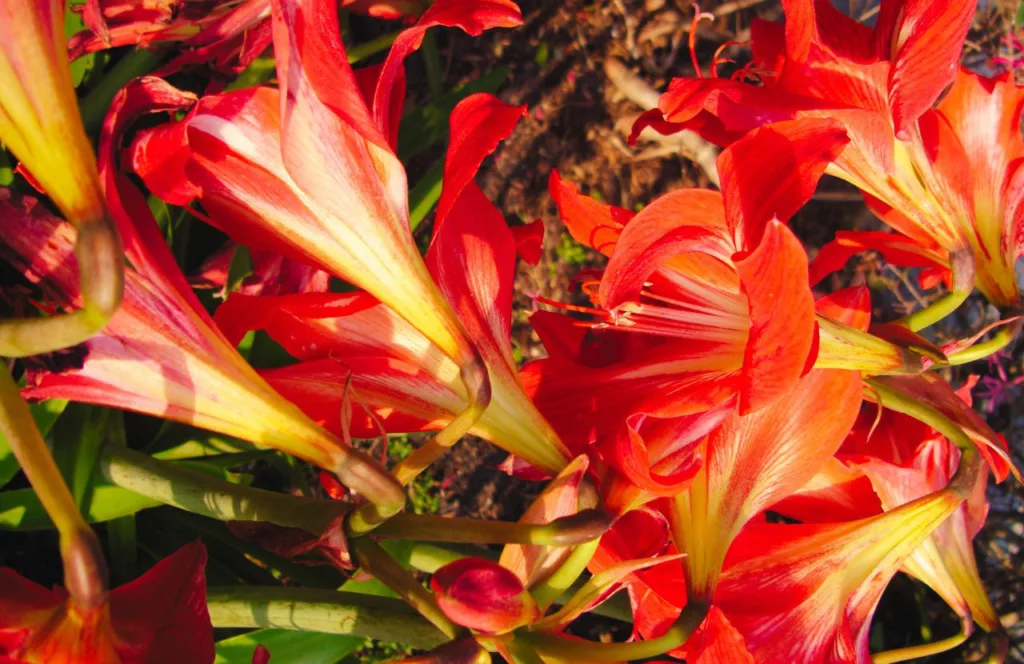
<point x="161" y="354"/>
<point x="899" y="460"/>
<point x="310" y="170"/>
<point x="806" y="593"/>
<point x="159" y="618"/>
<point x="41" y="125"/>
<point x="401" y="377"/>
<point x="946" y="178"/>
<point x="705" y="302"/>
<point x="752" y="461"/>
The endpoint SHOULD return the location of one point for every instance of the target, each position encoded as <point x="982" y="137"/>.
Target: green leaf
<point x="424" y="126"/>
<point x="238" y="270"/>
<point x="542" y="55"/>
<point x="288" y="646"/>
<point x="6" y="169"/>
<point x="1019" y="21"/>
<point x="425" y="195"/>
<point x="258" y="72"/>
<point x="78" y="438"/>
<point x="45" y="414"/>
<point x="81" y="67"/>
<point x="21" y="509"/>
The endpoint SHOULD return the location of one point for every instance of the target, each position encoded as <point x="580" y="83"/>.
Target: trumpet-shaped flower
<point x="704" y="304"/>
<point x="405" y="380"/>
<point x="946" y="178"/>
<point x="310" y="170"/>
<point x="161" y="354"/>
<point x="159" y="618"/>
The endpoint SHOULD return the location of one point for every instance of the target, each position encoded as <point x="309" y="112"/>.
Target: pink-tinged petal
<point x="272" y="274"/>
<point x="689" y="220"/>
<point x="529" y="239"/>
<point x="896" y="249"/>
<point x="561" y="497"/>
<point x="591" y="223"/>
<point x="463" y="651"/>
<point x="935" y="392"/>
<point x="163" y="613"/>
<point x="923" y="39"/>
<point x="781" y="317"/>
<point x="482" y="595"/>
<point x="772" y="171"/>
<point x="388" y="394"/>
<point x="472" y="16"/>
<point x="478" y="124"/>
<point x="849" y="306"/>
<point x="757" y="459"/>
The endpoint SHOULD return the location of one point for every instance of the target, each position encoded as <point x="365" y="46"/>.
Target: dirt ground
<point x="567" y="65"/>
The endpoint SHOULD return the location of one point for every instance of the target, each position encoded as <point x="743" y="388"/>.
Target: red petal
<point x="163" y="613"/>
<point x="772" y="171"/>
<point x="529" y="240"/>
<point x="924" y="40"/>
<point x="159" y="156"/>
<point x="897" y="249"/>
<point x="478" y="124"/>
<point x="260" y="655"/>
<point x="591" y="223"/>
<point x="849" y="306"/>
<point x="689" y="220"/>
<point x="472" y="16"/>
<point x="781" y="317"/>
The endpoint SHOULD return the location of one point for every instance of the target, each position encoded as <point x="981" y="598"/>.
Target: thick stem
<point x="983" y="349"/>
<point x="101" y="266"/>
<point x="553" y="587"/>
<point x="209" y="496"/>
<point x="555" y="645"/>
<point x="378" y="562"/>
<point x="575" y="529"/>
<point x="327" y="611"/>
<point x="85" y="572"/>
<point x="961" y="265"/>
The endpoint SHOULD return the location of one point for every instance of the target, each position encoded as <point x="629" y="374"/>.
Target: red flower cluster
<point x="767" y="456"/>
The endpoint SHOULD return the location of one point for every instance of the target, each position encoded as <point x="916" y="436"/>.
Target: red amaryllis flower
<point x="310" y="171"/>
<point x="705" y="302"/>
<point x="159" y="618"/>
<point x="899" y="460"/>
<point x="947" y="179"/>
<point x="404" y="380"/>
<point x="161" y="354"/>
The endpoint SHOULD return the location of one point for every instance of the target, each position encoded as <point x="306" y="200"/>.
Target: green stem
<point x="961" y="267"/>
<point x="923" y="650"/>
<point x="555" y="645"/>
<point x="585" y="526"/>
<point x="983" y="349"/>
<point x="378" y="562"/>
<point x="432" y="63"/>
<point x="95" y="104"/>
<point x="372" y="47"/>
<point x="209" y="496"/>
<point x="553" y="587"/>
<point x="522" y="652"/>
<point x="85" y="572"/>
<point x="327" y="611"/>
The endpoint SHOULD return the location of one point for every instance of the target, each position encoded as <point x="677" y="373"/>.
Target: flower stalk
<point x="326" y="611"/>
<point x="85" y="572"/>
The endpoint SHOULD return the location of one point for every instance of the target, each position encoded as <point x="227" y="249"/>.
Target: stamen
<point x="717" y="59"/>
<point x="698" y="15"/>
